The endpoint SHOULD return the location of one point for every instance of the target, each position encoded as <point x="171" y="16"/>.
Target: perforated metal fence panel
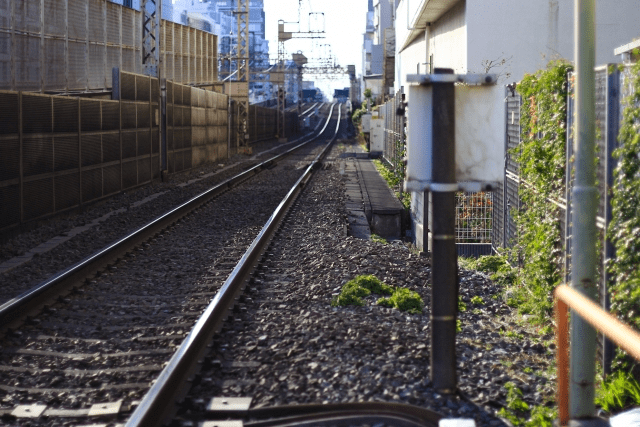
<point x="57" y="153"/>
<point x="197" y="127"/>
<point x="72" y="45"/>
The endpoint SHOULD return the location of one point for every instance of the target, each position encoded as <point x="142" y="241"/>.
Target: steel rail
<point x="304" y="113"/>
<point x="158" y="404"/>
<point x="61" y="282"/>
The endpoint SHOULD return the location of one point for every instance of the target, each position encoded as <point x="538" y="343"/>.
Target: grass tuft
<point x="619" y="391"/>
<point x="404" y="300"/>
<point x="379" y="239"/>
<point x="362" y="286"/>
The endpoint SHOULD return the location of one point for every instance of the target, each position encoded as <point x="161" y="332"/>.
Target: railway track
<point x="42" y="252"/>
<point x="285" y="356"/>
<point x="279" y="338"/>
<point x="91" y="355"/>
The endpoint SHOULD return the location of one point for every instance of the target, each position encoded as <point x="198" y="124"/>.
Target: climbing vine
<point x="541" y="156"/>
<point x="624" y="229"/>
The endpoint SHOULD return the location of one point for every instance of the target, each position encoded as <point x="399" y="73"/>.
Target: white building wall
<point x="383" y="14"/>
<point x="410" y="61"/>
<point x="478" y="34"/>
<point x="529" y="34"/>
<point x="448" y="40"/>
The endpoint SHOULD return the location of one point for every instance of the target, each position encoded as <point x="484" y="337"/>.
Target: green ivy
<point x="541" y="156"/>
<point x="624" y="229"/>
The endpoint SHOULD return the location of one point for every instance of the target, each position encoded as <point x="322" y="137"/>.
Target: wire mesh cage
<point x="474" y="216"/>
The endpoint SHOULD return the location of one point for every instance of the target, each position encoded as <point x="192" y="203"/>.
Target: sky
<point x="344" y="23"/>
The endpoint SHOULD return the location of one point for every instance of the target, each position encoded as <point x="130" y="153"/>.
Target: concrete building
<point x="500" y="36"/>
<point x="378" y="49"/>
<point x="371" y="56"/>
<point x="385" y="36"/>
<point x="626" y="52"/>
<point x="167" y="7"/>
<point x="217" y="16"/>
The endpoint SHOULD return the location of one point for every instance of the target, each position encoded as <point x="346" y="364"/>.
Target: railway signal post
<point x="454" y="144"/>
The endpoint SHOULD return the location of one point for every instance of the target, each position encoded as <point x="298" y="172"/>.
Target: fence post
<point x="42" y="59"/>
<point x="562" y="360"/>
<point x="611" y="143"/>
<point x="21" y="156"/>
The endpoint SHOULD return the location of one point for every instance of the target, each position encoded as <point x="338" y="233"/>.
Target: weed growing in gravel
<point x="507" y="362"/>
<point x="374" y="284"/>
<point x="351" y="294"/>
<point x="362" y="286"/>
<point x="404" y="300"/>
<point x="542" y="416"/>
<point x="512" y="334"/>
<point x="394" y="180"/>
<point x="496" y="266"/>
<point x="516" y="407"/>
<point x="378" y="239"/>
<point x="477" y="300"/>
<point x="461" y="305"/>
<point x="619" y="391"/>
<point x="458" y="326"/>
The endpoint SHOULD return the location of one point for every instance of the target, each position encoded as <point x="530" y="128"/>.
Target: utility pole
<point x="151" y="14"/>
<point x="283" y="36"/>
<point x="242" y="61"/>
<point x="300" y="60"/>
<point x="279" y="79"/>
<point x="152" y="65"/>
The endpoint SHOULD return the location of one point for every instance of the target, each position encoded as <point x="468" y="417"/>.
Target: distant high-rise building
<point x="167" y="7"/>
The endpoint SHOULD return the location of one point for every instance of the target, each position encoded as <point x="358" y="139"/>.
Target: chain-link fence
<point x="506" y="198"/>
<point x="394" y="134"/>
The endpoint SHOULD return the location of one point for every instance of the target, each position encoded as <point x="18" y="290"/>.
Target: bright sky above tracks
<point x="344" y="23"/>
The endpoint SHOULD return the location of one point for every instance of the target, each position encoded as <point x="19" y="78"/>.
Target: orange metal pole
<point x="562" y="357"/>
<point x="623" y="335"/>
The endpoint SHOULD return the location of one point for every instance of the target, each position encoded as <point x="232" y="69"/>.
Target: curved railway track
<point x="93" y="353"/>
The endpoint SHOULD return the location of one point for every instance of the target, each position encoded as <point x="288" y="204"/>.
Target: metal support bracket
<point x="434" y="187"/>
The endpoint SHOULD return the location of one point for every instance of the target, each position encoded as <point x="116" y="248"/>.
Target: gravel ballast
<point x="286" y="344"/>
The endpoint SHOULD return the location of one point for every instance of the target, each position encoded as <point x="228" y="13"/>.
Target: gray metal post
<point x="229" y="127"/>
<point x="585" y="196"/>
<point x="163" y="124"/>
<point x="611" y="138"/>
<point x="444" y="283"/>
